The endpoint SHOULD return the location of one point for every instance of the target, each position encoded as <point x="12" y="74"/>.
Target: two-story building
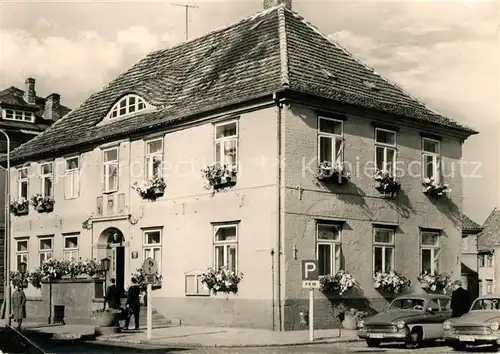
<point x="23" y="115"/>
<point x="470" y="275"/>
<point x="270" y="96"/>
<point x="488" y="255"/>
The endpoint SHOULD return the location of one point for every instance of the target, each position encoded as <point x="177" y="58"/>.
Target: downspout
<point x="277" y="263"/>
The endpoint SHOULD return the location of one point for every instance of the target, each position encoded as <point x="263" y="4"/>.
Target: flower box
<point x="42" y="204"/>
<point x="390" y="282"/>
<point x="434" y="283"/>
<point x="432" y="188"/>
<point x="45" y="208"/>
<point x="107" y="317"/>
<point x="152" y="189"/>
<point x="19" y="207"/>
<point x="219" y="177"/>
<point x="223" y="280"/>
<point x="386" y="182"/>
<point x="339" y="283"/>
<point x="329" y="173"/>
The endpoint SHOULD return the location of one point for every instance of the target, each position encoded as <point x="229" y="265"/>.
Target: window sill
<point x="195" y="295"/>
<point x="109" y="192"/>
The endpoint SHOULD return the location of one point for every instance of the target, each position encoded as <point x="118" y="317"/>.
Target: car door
<point x="444" y="312"/>
<point x="433" y="328"/>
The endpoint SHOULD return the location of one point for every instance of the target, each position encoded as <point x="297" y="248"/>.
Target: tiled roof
<point x="490" y="236"/>
<point x="253" y="58"/>
<point x="470" y="226"/>
<point x="14" y="96"/>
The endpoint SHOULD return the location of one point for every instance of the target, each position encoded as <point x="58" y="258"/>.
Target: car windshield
<point x="406" y="304"/>
<point x="490" y="304"/>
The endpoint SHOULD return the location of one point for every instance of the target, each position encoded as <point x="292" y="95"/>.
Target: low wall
<point x="68" y="300"/>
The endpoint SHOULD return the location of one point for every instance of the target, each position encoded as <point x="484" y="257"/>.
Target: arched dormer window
<point x="126" y="105"/>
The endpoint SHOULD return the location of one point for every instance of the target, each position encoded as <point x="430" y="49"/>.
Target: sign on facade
<point x="150" y="279"/>
<point x="310" y="274"/>
<point x="150" y="267"/>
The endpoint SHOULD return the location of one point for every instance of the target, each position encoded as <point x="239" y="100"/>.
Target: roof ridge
<point x="285" y="79"/>
<point x="346" y="51"/>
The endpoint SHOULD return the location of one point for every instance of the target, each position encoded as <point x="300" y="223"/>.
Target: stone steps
<point x="158" y="319"/>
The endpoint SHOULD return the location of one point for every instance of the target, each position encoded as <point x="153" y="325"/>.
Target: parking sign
<point x="310" y="274"/>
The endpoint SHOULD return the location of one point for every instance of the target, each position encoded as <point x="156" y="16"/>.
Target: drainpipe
<point x="278" y="219"/>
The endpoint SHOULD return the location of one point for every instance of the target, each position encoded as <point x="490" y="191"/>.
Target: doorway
<point x="115" y="251"/>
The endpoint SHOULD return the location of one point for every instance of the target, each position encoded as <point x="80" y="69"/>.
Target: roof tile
<point x="489" y="238"/>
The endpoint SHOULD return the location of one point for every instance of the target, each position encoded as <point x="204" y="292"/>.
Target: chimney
<point x="52" y="107"/>
<point x="29" y="92"/>
<point x="272" y="3"/>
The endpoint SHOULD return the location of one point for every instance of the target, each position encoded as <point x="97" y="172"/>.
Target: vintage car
<point x="410" y="319"/>
<point x="481" y="325"/>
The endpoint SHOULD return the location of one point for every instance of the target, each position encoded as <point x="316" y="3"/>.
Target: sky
<point x="442" y="52"/>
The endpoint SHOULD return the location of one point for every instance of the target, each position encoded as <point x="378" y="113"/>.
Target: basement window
<point x="127" y="105"/>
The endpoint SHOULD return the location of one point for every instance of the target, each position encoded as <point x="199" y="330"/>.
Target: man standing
<point x="133" y="303"/>
<point x="113" y="296"/>
<point x="460" y="300"/>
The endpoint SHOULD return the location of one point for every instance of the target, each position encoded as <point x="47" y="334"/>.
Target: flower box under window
<point x="432" y="188"/>
<point x="390" y="282"/>
<point x="435" y="282"/>
<point x="42" y="204"/>
<point x="219" y="177"/>
<point x="19" y="207"/>
<point x="152" y="189"/>
<point x="329" y="173"/>
<point x="386" y="182"/>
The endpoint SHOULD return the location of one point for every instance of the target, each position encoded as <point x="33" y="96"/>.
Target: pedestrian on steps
<point x="133" y="304"/>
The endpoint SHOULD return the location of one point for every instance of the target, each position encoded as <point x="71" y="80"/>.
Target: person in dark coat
<point x="133" y="303"/>
<point x="19" y="306"/>
<point x="460" y="300"/>
<point x="113" y="296"/>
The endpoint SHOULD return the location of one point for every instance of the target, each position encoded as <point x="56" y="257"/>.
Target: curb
<point x="199" y="345"/>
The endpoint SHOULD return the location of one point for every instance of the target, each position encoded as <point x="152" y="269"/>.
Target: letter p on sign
<point x="310" y="270"/>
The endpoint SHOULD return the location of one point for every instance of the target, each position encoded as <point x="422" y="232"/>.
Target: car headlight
<point x="361" y="324"/>
<point x="447" y="325"/>
<point x="401" y="324"/>
<point x="494" y="326"/>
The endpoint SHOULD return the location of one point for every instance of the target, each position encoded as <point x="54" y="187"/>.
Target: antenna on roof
<point x="187" y="7"/>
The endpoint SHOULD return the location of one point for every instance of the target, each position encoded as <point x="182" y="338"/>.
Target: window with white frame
<point x="45" y="249"/>
<point x="226" y="246"/>
<point x="72" y="177"/>
<point x="385" y="150"/>
<point x="328" y="247"/>
<point x="430" y="159"/>
<point x="226" y="143"/>
<point x="70" y="247"/>
<point x="429" y="251"/>
<point x="22" y="252"/>
<point x="154" y="158"/>
<point x="383" y="249"/>
<point x="465" y="244"/>
<point x="12" y="114"/>
<point x="485" y="260"/>
<point x="152" y="245"/>
<point x="47" y="178"/>
<point x="110" y="170"/>
<point x="330" y="140"/>
<point x="489" y="286"/>
<point x="127" y="105"/>
<point x="22" y="182"/>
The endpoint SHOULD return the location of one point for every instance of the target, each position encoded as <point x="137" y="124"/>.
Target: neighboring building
<point x="270" y="88"/>
<point x="470" y="276"/>
<point x="488" y="255"/>
<point x="23" y="115"/>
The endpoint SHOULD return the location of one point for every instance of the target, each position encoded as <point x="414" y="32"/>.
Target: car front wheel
<point x="415" y="339"/>
<point x="372" y="343"/>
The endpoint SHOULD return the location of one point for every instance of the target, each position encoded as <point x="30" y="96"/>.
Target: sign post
<point x="150" y="267"/>
<point x="310" y="280"/>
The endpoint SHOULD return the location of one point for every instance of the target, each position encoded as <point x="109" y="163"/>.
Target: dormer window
<point x="127" y="105"/>
<point x="13" y="114"/>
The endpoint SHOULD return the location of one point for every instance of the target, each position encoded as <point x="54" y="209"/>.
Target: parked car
<point x="481" y="325"/>
<point x="410" y="319"/>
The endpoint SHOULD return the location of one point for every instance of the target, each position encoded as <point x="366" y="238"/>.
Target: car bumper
<point x="474" y="339"/>
<point x="398" y="336"/>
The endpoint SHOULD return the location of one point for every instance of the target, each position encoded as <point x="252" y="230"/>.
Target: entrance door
<point x="120" y="266"/>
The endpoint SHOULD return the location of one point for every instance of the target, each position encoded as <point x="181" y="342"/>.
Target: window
<point x="430" y="159"/>
<point x="110" y="170"/>
<point x="127" y="105"/>
<point x="330" y="140"/>
<point x="226" y="143"/>
<point x="45" y="249"/>
<point x="485" y="260"/>
<point x="22" y="252"/>
<point x="226" y="246"/>
<point x="22" y="182"/>
<point x="429" y="251"/>
<point x="465" y="244"/>
<point x="383" y="250"/>
<point x="489" y="286"/>
<point x="71" y="177"/>
<point x="12" y="114"/>
<point x="444" y="304"/>
<point x="47" y="177"/>
<point x="328" y="248"/>
<point x="385" y="150"/>
<point x="70" y="248"/>
<point x="154" y="158"/>
<point x="152" y="246"/>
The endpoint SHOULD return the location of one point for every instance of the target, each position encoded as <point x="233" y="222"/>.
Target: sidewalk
<point x="194" y="336"/>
